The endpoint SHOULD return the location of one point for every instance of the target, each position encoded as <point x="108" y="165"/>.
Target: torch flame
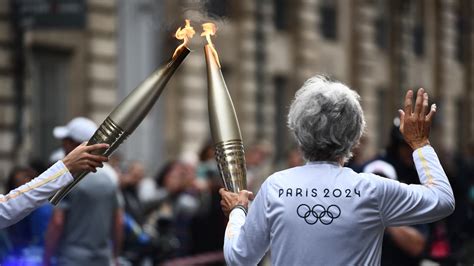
<point x="184" y="34"/>
<point x="208" y="30"/>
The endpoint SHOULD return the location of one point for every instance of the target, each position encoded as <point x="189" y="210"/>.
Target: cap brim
<point x="60" y="132"/>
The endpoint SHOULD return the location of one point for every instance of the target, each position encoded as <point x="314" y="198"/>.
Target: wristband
<point x="240" y="206"/>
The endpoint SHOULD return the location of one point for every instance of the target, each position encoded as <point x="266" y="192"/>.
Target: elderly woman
<point x="323" y="213"/>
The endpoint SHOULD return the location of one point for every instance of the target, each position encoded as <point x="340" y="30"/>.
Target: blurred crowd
<point x="173" y="217"/>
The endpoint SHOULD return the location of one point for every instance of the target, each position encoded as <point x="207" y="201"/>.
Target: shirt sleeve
<point x="247" y="238"/>
<point x="402" y="204"/>
<point x="21" y="201"/>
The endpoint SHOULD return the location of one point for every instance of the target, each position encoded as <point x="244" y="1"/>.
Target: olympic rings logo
<point x="318" y="213"/>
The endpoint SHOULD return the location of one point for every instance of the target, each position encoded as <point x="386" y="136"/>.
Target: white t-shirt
<point x="325" y="214"/>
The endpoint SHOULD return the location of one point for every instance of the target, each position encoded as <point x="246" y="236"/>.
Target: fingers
<point x="247" y="194"/>
<point x="419" y="102"/>
<point x="96" y="147"/>
<point x="251" y="196"/>
<point x="96" y="158"/>
<point x="424" y="107"/>
<point x="415" y="126"/>
<point x="402" y="119"/>
<point x="430" y="115"/>
<point x="408" y="107"/>
<point x="94" y="164"/>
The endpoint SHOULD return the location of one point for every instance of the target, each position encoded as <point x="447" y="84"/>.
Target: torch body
<point x="225" y="128"/>
<point x="126" y="117"/>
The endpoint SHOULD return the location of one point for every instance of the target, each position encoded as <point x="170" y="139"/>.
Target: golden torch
<point x="126" y="117"/>
<point x="225" y="128"/>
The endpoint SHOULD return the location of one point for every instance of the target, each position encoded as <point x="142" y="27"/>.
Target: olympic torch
<point x="225" y="128"/>
<point x="126" y="117"/>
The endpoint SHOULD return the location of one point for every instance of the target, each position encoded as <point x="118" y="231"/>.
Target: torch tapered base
<point x="230" y="159"/>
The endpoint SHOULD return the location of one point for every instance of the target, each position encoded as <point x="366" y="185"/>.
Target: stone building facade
<point x="267" y="49"/>
<point x="67" y="72"/>
<point x="378" y="47"/>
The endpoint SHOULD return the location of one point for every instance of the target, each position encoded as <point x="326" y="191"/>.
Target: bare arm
<point x="117" y="235"/>
<point x="53" y="234"/>
<point x="408" y="239"/>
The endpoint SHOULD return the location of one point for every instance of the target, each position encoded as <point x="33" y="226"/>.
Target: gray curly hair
<point x="326" y="119"/>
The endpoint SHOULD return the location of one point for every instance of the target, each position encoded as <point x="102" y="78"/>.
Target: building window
<point x="418" y="40"/>
<point x="280" y="101"/>
<point x="419" y="31"/>
<point x="217" y="8"/>
<point x="461" y="119"/>
<point x="461" y="30"/>
<point x="328" y="14"/>
<point x="280" y="14"/>
<point x="382" y="118"/>
<point x="381" y="25"/>
<point x="51" y="83"/>
<point x="381" y="36"/>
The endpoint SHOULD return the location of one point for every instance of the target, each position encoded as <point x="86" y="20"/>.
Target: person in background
<point x="460" y="223"/>
<point x="207" y="165"/>
<point x="295" y="158"/>
<point x="20" y="234"/>
<point x="256" y="159"/>
<point x="172" y="215"/>
<point x="402" y="245"/>
<point x="129" y="184"/>
<point x="208" y="225"/>
<point x="137" y="245"/>
<point x="86" y="226"/>
<point x="358" y="159"/>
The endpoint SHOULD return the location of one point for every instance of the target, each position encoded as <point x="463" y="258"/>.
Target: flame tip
<point x="184" y="33"/>
<point x="210" y="29"/>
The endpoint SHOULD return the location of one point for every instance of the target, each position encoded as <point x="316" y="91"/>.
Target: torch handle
<point x="230" y="159"/>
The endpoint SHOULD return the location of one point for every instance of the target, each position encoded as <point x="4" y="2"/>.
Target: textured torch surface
<point x="126" y="117"/>
<point x="230" y="159"/>
<point x="225" y="128"/>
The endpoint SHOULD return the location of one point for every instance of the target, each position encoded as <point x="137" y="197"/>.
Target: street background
<point x="69" y="58"/>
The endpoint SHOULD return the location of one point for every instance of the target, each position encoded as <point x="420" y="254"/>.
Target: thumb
<point x="222" y="191"/>
<point x="247" y="194"/>
<point x="250" y="195"/>
<point x="402" y="119"/>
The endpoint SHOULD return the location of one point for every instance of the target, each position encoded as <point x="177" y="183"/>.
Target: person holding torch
<point x="323" y="213"/>
<point x="21" y="201"/>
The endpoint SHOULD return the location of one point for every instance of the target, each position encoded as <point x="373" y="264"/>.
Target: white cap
<point x="382" y="168"/>
<point x="188" y="157"/>
<point x="79" y="129"/>
<point x="57" y="155"/>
